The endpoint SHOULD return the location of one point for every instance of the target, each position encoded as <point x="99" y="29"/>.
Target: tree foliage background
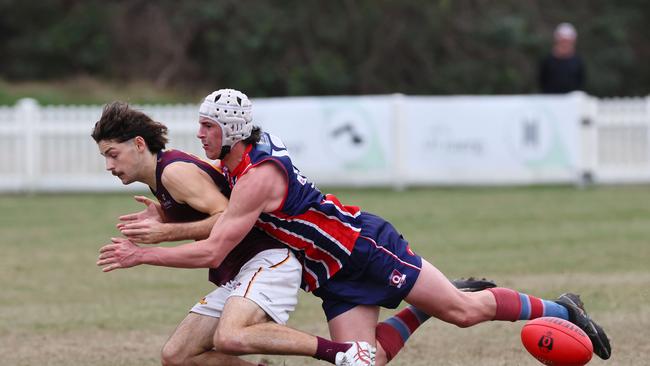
<point x="293" y="47"/>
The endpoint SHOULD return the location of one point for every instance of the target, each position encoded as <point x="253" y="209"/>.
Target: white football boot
<point x="360" y="354"/>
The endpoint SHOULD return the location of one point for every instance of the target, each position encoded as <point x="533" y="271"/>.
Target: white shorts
<point x="271" y="279"/>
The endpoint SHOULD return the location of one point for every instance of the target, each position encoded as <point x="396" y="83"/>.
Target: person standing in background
<point x="562" y="71"/>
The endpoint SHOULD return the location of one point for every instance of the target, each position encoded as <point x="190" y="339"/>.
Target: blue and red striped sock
<point x="393" y="332"/>
<point x="513" y="305"/>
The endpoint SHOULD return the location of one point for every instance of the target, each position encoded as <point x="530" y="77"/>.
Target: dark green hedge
<point x="303" y="47"/>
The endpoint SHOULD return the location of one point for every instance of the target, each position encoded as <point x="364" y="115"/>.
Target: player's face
<point x="210" y="135"/>
<point x="122" y="159"/>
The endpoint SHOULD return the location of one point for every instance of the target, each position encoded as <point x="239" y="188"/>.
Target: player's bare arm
<point x="260" y="190"/>
<point x="267" y="182"/>
<point x="187" y="184"/>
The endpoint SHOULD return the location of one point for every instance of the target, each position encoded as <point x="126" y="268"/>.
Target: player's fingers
<point x="143" y="199"/>
<point x="137" y="239"/>
<point x="105" y="261"/>
<point x="133" y="232"/>
<point x="107" y="248"/>
<point x="130" y="234"/>
<point x="128" y="217"/>
<point x="135" y="225"/>
<point x="105" y="255"/>
<point x="140" y="198"/>
<point x="111" y="267"/>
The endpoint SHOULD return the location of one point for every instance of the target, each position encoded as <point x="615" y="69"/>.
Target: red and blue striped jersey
<point x="319" y="229"/>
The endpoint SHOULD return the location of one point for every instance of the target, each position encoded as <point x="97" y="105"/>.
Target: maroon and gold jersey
<point x="256" y="240"/>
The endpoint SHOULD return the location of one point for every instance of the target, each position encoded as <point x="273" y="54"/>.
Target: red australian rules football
<point x="556" y="342"/>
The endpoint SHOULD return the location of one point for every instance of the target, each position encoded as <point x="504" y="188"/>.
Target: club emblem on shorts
<point x="397" y="279"/>
<point x="232" y="285"/>
<point x="203" y="301"/>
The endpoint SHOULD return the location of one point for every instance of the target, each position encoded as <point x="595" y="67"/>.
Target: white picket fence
<point x="391" y="140"/>
<point x="49" y="148"/>
<point x="620" y="140"/>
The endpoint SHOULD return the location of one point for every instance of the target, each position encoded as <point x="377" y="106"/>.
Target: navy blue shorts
<point x="382" y="270"/>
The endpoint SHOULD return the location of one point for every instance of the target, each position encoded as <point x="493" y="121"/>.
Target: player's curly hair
<point x="120" y="122"/>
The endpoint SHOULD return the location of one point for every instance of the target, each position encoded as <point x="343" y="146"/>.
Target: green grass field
<point x="57" y="308"/>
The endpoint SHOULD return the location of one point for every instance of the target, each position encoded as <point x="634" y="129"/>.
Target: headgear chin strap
<point x="232" y="111"/>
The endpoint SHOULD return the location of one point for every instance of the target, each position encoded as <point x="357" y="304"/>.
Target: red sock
<point x="513" y="305"/>
<point x="390" y="340"/>
<point x="327" y="349"/>
<point x="508" y="304"/>
<point x="393" y="332"/>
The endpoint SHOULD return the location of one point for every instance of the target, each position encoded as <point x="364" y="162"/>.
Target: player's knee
<point x="463" y="313"/>
<point x="171" y="355"/>
<point x="229" y="342"/>
<point x="463" y="319"/>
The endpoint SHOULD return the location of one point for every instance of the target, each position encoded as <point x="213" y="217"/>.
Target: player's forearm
<point x="191" y="255"/>
<point x="196" y="230"/>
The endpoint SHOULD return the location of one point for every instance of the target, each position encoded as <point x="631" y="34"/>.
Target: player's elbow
<point x="210" y="255"/>
<point x="216" y="252"/>
<point x="214" y="259"/>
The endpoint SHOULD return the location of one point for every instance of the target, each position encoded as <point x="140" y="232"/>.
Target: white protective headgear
<point x="232" y="111"/>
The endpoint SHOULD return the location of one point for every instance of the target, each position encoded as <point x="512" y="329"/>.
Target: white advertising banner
<point x="385" y="140"/>
<point x="491" y="139"/>
<point x="333" y="140"/>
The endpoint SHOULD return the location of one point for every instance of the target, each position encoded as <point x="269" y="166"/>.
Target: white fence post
<point x="28" y="114"/>
<point x="399" y="154"/>
<point x="589" y="141"/>
<point x="647" y="122"/>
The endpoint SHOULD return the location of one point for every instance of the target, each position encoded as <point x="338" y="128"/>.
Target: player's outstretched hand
<point x="122" y="253"/>
<point x="152" y="211"/>
<point x="147" y="231"/>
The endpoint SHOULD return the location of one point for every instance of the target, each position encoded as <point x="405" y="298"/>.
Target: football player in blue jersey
<point x="353" y="260"/>
<point x="258" y="281"/>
